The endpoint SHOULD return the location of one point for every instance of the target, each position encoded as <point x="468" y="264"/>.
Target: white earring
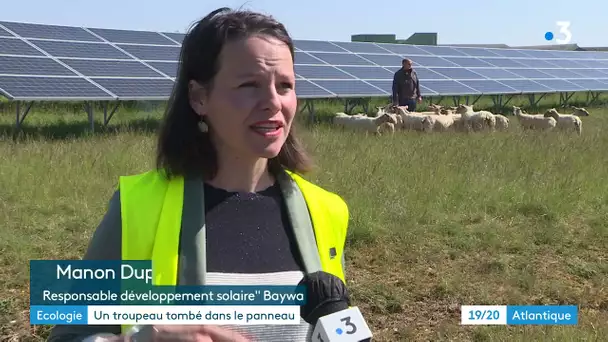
<point x="202" y="126"/>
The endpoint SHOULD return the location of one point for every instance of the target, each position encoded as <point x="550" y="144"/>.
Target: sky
<point x="511" y="22"/>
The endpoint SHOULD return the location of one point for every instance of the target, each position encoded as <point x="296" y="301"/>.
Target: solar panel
<point x="489" y="87"/>
<point x="137" y="88"/>
<point x="565" y="63"/>
<point x="178" y="37"/>
<point x="384" y="60"/>
<point x="53" y="88"/>
<point x="509" y="53"/>
<point x="111" y="68"/>
<point x="357" y="47"/>
<point x="565" y="54"/>
<point x="441" y="50"/>
<point x="536" y="63"/>
<point x="350" y="88"/>
<point x="5" y="33"/>
<point x="404" y="50"/>
<point x="135" y="37"/>
<point x="503" y="62"/>
<point x="15" y="46"/>
<point x="468" y="62"/>
<point x="304" y="58"/>
<point x="305" y="89"/>
<point x="32" y="66"/>
<point x="152" y="53"/>
<point x="560" y="85"/>
<point x="167" y="68"/>
<point x="539" y="53"/>
<point x="368" y="73"/>
<point x="26" y="30"/>
<point x="562" y="73"/>
<point x="593" y="85"/>
<point x="496" y="73"/>
<point x="530" y="73"/>
<point x="593" y="64"/>
<point x="450" y="87"/>
<point x="428" y="74"/>
<point x="134" y="64"/>
<point x="321" y="72"/>
<point x="341" y="58"/>
<point x="314" y="45"/>
<point x="476" y="52"/>
<point x="458" y="73"/>
<point x="591" y="73"/>
<point x="585" y="55"/>
<point x="526" y="86"/>
<point x="80" y="50"/>
<point x="432" y="61"/>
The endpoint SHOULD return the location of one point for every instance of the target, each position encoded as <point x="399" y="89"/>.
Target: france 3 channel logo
<point x="519" y="315"/>
<point x="564" y="31"/>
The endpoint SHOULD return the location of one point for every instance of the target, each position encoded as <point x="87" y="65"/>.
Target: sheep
<point x="437" y="109"/>
<point x="579" y="111"/>
<point x="440" y="123"/>
<point x="386" y="127"/>
<point x="362" y="123"/>
<point x="566" y="121"/>
<point x="398" y="120"/>
<point x="476" y="120"/>
<point x="529" y="121"/>
<point x="502" y="122"/>
<point x="412" y="121"/>
<point x="458" y="125"/>
<point x="405" y="119"/>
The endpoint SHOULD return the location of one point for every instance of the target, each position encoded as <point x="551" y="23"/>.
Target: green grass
<point x="437" y="220"/>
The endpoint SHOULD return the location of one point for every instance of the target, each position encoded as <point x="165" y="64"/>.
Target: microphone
<point x="327" y="309"/>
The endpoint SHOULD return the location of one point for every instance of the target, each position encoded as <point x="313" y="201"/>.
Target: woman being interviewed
<point x="226" y="205"/>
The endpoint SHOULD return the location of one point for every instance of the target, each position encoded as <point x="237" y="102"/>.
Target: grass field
<point x="438" y="220"/>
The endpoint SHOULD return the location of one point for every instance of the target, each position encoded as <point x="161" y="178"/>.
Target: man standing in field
<point x="406" y="86"/>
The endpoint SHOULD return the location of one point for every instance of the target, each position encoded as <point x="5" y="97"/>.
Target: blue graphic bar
<point x="58" y="314"/>
<point x="542" y="314"/>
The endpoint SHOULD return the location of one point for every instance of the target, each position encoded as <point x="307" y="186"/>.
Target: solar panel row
<point x="58" y="62"/>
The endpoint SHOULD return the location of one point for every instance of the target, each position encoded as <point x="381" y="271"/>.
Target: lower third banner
<point x="164" y="314"/>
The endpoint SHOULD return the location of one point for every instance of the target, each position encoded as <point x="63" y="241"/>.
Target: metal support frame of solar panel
<point x="152" y="56"/>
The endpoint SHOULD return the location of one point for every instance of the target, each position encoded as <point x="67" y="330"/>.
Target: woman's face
<point x="252" y="102"/>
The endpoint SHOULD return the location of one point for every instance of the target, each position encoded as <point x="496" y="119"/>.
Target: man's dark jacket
<point x="406" y="86"/>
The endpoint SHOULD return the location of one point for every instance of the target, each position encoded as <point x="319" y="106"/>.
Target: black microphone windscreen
<point x="325" y="294"/>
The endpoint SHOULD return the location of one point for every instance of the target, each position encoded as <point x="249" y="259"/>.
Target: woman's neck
<point x="243" y="176"/>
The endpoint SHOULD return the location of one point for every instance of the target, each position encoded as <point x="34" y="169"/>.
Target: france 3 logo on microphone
<point x="342" y="326"/>
<point x="564" y="31"/>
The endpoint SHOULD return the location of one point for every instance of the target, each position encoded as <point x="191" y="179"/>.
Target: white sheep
<point x="438" y="123"/>
<point x="408" y="120"/>
<point x="362" y="123"/>
<point x="502" y="122"/>
<point x="437" y="109"/>
<point x="413" y="121"/>
<point x="476" y="120"/>
<point x="534" y="122"/>
<point x="566" y="121"/>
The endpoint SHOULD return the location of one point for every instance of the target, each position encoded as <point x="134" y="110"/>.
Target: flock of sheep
<point x="461" y="118"/>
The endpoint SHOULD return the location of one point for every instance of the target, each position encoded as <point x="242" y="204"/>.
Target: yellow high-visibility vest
<point x="151" y="212"/>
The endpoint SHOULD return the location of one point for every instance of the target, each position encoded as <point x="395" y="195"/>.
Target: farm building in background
<point x="430" y="38"/>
